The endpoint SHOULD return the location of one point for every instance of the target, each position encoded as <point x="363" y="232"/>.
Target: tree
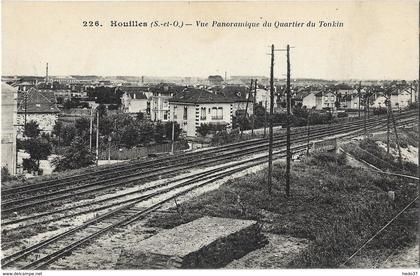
<point x="32" y="129"/>
<point x="57" y="132"/>
<point x="168" y="130"/>
<point x="38" y="149"/>
<point x="159" y="132"/>
<point x="82" y="126"/>
<point x="102" y="110"/>
<point x="76" y="156"/>
<point x="146" y="130"/>
<point x="68" y="132"/>
<point x="129" y="136"/>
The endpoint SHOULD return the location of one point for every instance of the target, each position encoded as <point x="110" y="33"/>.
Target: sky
<point x="379" y="40"/>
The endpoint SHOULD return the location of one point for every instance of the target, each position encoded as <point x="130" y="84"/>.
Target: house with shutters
<point x="135" y="100"/>
<point x="39" y="106"/>
<point x="319" y="100"/>
<point x="192" y="107"/>
<point x="159" y="100"/>
<point x="240" y="98"/>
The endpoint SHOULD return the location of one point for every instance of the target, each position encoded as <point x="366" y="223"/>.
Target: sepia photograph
<point x="229" y="135"/>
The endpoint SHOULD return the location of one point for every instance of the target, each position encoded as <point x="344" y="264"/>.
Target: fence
<point x="138" y="152"/>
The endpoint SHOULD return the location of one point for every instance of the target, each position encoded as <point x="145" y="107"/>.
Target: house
<point x="239" y="96"/>
<point x="8" y="127"/>
<point x="23" y="86"/>
<point x="262" y="97"/>
<point x="159" y="101"/>
<point x="63" y="93"/>
<point x="134" y="100"/>
<point x="39" y="106"/>
<point x="400" y="99"/>
<point x="312" y="100"/>
<point x="354" y="103"/>
<point x="320" y="100"/>
<point x="379" y="101"/>
<point x="193" y="107"/>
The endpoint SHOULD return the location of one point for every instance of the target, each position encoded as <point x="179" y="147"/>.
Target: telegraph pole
<point x="26" y="110"/>
<point x="288" y="100"/>
<point x="173" y="136"/>
<point x="397" y="139"/>
<point x="364" y="113"/>
<point x="387" y="125"/>
<point x="97" y="137"/>
<point x="308" y="125"/>
<point x="253" y="107"/>
<point x="359" y="89"/>
<point x="265" y="117"/>
<point x="246" y="108"/>
<point x="90" y="129"/>
<point x="270" y="143"/>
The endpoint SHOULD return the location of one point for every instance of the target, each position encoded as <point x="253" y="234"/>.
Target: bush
<point x="30" y="165"/>
<point x="75" y="157"/>
<point x="203" y="129"/>
<point x="342" y="114"/>
<point x="5" y="175"/>
<point x="380" y="111"/>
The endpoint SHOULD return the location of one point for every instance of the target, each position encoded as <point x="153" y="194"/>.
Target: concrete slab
<point x="208" y="242"/>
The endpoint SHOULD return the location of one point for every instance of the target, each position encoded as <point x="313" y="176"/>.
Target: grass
<point x="372" y="153"/>
<point x="335" y="206"/>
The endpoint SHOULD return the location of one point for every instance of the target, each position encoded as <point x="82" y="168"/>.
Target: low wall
<point x="208" y="242"/>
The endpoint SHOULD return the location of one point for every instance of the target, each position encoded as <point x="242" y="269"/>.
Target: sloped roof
<point x="166" y="88"/>
<point x="235" y="93"/>
<point x="192" y="95"/>
<point x="38" y="101"/>
<point x="137" y="91"/>
<point x="138" y="95"/>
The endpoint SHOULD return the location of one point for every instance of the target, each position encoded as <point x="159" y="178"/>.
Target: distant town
<point x="198" y="107"/>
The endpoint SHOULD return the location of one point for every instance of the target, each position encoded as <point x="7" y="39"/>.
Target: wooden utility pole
<point x="288" y="103"/>
<point x="265" y="117"/>
<point x="359" y="89"/>
<point x="253" y="107"/>
<point x="308" y="125"/>
<point x="246" y="108"/>
<point x="387" y="103"/>
<point x="270" y="142"/>
<point x="368" y="103"/>
<point x="173" y="137"/>
<point x="396" y="138"/>
<point x="26" y="110"/>
<point x="90" y="129"/>
<point x="97" y="137"/>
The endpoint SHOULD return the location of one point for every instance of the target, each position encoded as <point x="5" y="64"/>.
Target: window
<point x="220" y="113"/>
<point x="217" y="113"/>
<point x="165" y="116"/>
<point x="214" y="113"/>
<point x="185" y="113"/>
<point x="175" y="111"/>
<point x="203" y="113"/>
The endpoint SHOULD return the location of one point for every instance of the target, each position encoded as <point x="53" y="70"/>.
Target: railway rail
<point x="9" y="206"/>
<point x="46" y="252"/>
<point x="145" y="164"/>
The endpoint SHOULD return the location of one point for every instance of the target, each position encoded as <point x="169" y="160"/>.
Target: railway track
<point x="72" y="192"/>
<point x="44" y="253"/>
<point x="69" y="193"/>
<point x="124" y="168"/>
